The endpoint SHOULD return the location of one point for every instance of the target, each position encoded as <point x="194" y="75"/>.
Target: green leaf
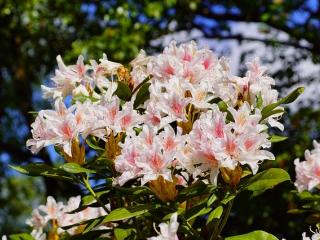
<point x="259" y="100"/>
<point x="95" y="234"/>
<point x="122" y="234"/>
<point x="267" y="110"/>
<point x="82" y="98"/>
<point x="215" y="100"/>
<point x="179" y="212"/>
<point x="196" y="189"/>
<point x="308" y="196"/>
<point x="124" y="213"/>
<point x="86" y="200"/>
<point x="211" y="200"/>
<point x="256" y="235"/>
<point x="142" y="95"/>
<point x="265" y="17"/>
<point x="123" y="91"/>
<point x="216" y="213"/>
<point x="137" y="191"/>
<point x="93" y="146"/>
<point x="197" y="211"/>
<point x="276" y="138"/>
<point x="116" y="215"/>
<point x="246" y="173"/>
<point x="228" y="198"/>
<point x="21" y="169"/>
<point x="21" y="236"/>
<point x="223" y="107"/>
<point x="266" y="180"/>
<point x="75" y="168"/>
<point x="40" y="169"/>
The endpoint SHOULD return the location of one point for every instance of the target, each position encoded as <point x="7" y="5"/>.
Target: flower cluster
<point x="213" y="144"/>
<point x="184" y="84"/>
<point x="166" y="123"/>
<point x="149" y="155"/>
<point x="81" y="79"/>
<point x="186" y="74"/>
<point x="308" y="171"/>
<point x="64" y="125"/>
<point x="57" y="215"/>
<point x="183" y="81"/>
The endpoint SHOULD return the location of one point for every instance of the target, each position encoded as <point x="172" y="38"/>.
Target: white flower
<point x="315" y="236"/>
<point x="37" y="221"/>
<point x="52" y="209"/>
<point x="168" y="231"/>
<point x="308" y="171"/>
<point x="66" y="79"/>
<point x="38" y="234"/>
<point x="109" y="66"/>
<point x="139" y="67"/>
<point x="148" y="155"/>
<point x="60" y="214"/>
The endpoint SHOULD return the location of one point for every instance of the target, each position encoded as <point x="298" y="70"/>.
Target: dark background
<point x="284" y="33"/>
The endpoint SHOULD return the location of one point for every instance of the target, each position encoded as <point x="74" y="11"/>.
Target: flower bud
<point x="164" y="189"/>
<point x="231" y="177"/>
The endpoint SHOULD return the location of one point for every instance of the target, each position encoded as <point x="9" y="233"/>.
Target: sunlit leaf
<point x="216" y="213"/>
<point x="75" y="168"/>
<point x="256" y="235"/>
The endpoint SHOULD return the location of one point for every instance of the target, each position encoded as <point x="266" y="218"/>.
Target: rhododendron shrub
<point x="172" y="140"/>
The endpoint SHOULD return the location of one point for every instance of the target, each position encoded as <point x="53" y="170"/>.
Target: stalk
<point x="220" y="225"/>
<point x="88" y="186"/>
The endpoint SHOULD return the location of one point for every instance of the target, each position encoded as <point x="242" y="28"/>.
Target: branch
<point x="256" y="17"/>
<point x="240" y="38"/>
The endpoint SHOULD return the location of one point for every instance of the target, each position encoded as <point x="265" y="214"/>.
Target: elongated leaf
<point x="142" y="95"/>
<point x="180" y="211"/>
<point x="94" y="234"/>
<point x="215" y="100"/>
<point x="276" y="138"/>
<point x="93" y="146"/>
<point x="228" y="198"/>
<point x="197" y="211"/>
<point x="134" y="191"/>
<point x="75" y="168"/>
<point x="211" y="199"/>
<point x="86" y="200"/>
<point x="273" y="112"/>
<point x="216" y="213"/>
<point x="246" y="173"/>
<point x="116" y="215"/>
<point x="122" y="234"/>
<point x="123" y="91"/>
<point x="21" y="236"/>
<point x="256" y="235"/>
<point x="259" y="100"/>
<point x="197" y="189"/>
<point x="224" y="108"/>
<point x="39" y="169"/>
<point x="288" y="99"/>
<point x="123" y="213"/>
<point x="81" y="98"/>
<point x="266" y="180"/>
